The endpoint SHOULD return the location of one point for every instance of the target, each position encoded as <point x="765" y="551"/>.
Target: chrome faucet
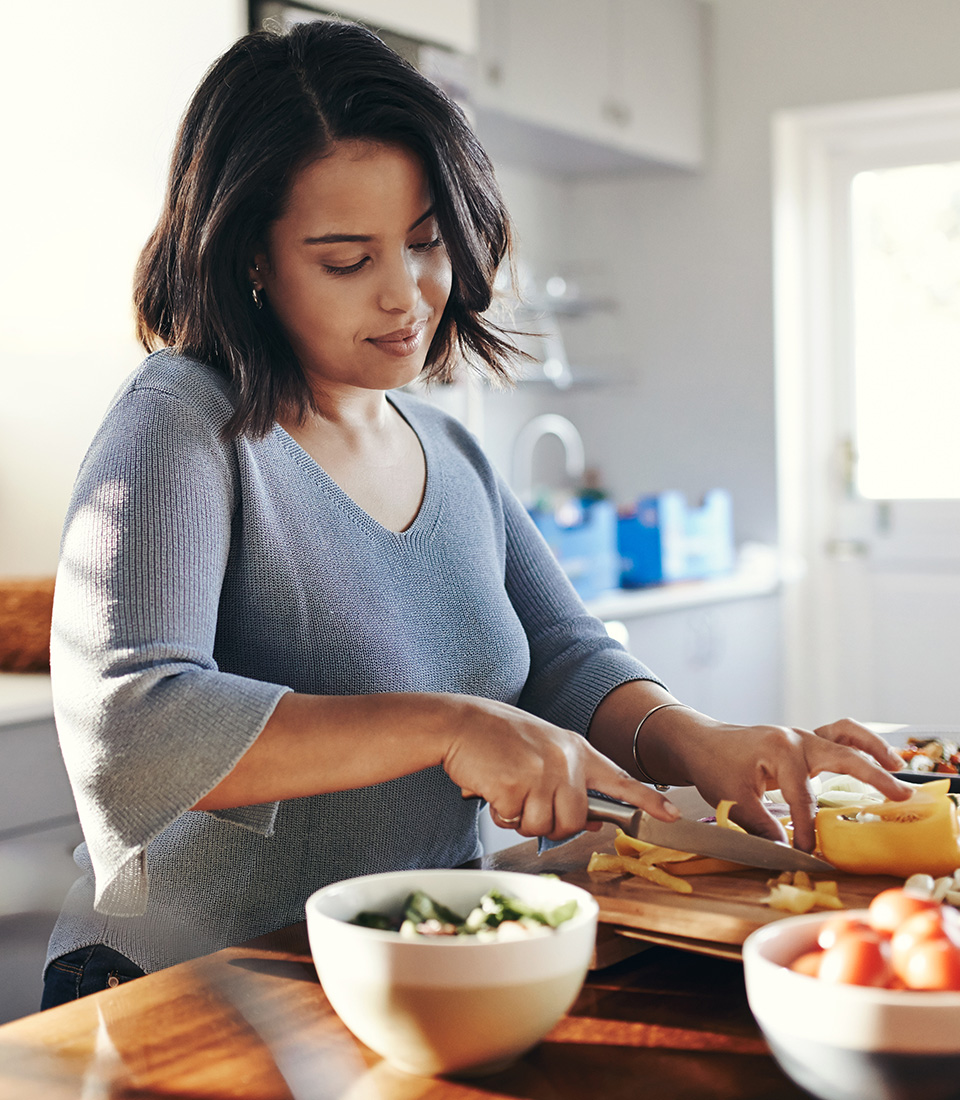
<point x="527" y="439"/>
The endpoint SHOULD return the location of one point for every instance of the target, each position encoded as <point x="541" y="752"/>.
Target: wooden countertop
<point x="252" y="1023"/>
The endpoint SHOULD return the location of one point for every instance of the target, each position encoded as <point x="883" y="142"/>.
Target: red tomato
<point x="808" y="963"/>
<point x="857" y="958"/>
<point x="838" y="925"/>
<point x="922" y="926"/>
<point x="932" y="964"/>
<point x="890" y="908"/>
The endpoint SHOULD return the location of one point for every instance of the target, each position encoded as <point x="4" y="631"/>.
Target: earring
<point x="257" y="300"/>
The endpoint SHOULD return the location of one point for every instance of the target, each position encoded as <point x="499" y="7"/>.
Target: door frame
<point x="811" y="327"/>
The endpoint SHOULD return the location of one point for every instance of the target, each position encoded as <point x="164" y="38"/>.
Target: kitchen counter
<point x="252" y="1023"/>
<point x="26" y="696"/>
<point x="759" y="572"/>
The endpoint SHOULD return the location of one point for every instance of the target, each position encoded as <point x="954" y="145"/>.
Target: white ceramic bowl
<point x="849" y="1042"/>
<point x="448" y="1004"/>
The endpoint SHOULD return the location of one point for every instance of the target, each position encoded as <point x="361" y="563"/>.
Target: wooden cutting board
<point x="722" y="909"/>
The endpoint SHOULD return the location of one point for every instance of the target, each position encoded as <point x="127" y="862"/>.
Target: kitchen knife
<point x="705" y="839"/>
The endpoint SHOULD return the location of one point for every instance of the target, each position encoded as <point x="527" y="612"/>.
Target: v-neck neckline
<point x="421" y="524"/>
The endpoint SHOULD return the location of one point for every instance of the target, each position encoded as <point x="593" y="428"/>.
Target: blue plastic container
<point x="583" y="538"/>
<point x="666" y="540"/>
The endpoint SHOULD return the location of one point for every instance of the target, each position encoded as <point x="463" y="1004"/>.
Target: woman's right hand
<point x="534" y="775"/>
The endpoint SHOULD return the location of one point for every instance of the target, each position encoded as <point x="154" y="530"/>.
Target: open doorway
<point x="867" y="269"/>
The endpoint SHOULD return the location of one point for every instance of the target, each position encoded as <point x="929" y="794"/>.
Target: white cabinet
<point x="722" y="659"/>
<point x="38" y="816"/>
<point x="35" y="793"/>
<point x="584" y="88"/>
<point x="530" y="56"/>
<point x="38" y="833"/>
<point x="450" y="24"/>
<point x="657" y="77"/>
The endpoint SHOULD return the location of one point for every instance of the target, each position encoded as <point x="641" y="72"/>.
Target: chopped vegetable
<point x="625" y="865"/>
<point x="420" y="908"/>
<point x="946" y="888"/>
<point x="604" y="861"/>
<point x="496" y="908"/>
<point x="776" y="796"/>
<point x="707" y="865"/>
<point x="637" y="857"/>
<point x="496" y="916"/>
<point x="723" y="816"/>
<point x="921" y="885"/>
<point x="375" y="920"/>
<point x="648" y="853"/>
<point x="932" y="754"/>
<point x="797" y="893"/>
<point x="918" y="836"/>
<point x="665" y="855"/>
<point x="846" y="790"/>
<point x="838" y="790"/>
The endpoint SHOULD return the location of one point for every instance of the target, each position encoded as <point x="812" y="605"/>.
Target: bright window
<point x="906" y="295"/>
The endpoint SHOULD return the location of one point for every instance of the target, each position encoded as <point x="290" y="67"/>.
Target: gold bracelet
<point x="644" y="776"/>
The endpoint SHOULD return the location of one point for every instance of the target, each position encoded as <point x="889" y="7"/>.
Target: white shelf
<point x="757" y="574"/>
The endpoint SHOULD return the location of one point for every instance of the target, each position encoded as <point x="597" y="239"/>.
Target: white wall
<point x="537" y="209"/>
<point x="92" y="94"/>
<point x="690" y="255"/>
<point x="88" y="122"/>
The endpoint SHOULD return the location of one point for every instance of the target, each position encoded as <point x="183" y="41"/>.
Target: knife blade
<point x="705" y="839"/>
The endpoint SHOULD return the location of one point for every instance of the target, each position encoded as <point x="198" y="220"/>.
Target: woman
<point x="298" y="617"/>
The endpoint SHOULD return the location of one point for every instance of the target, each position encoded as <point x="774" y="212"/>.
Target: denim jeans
<point x="85" y="971"/>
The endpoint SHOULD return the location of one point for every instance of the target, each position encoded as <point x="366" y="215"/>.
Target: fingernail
<point x="670" y="810"/>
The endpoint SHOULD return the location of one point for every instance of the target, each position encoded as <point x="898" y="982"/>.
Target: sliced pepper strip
<point x="706" y="865"/>
<point x="723" y="816"/>
<point x="650" y="853"/>
<point x="629" y="845"/>
<point x="604" y="861"/>
<point x="685" y="863"/>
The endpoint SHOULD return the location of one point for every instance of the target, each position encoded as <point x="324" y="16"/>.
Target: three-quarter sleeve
<point x="574" y="663"/>
<point x="148" y="723"/>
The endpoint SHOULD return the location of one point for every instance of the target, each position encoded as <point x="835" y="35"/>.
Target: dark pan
<point x="926" y="777"/>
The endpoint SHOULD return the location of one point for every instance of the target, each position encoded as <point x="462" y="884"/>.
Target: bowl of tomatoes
<point x="862" y="1003"/>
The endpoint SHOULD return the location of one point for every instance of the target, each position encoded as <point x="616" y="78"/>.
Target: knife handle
<point x="620" y="813"/>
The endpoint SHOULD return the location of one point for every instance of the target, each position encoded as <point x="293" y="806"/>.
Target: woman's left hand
<point x="740" y="763"/>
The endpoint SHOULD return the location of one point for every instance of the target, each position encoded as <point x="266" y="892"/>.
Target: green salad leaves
<point x="496" y="916"/>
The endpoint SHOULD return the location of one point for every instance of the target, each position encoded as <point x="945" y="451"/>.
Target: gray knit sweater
<point x="200" y="580"/>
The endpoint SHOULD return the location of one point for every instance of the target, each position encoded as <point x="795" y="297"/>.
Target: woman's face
<point x="355" y="269"/>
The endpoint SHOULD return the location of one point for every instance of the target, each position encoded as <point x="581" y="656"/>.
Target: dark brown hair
<point x="271" y="104"/>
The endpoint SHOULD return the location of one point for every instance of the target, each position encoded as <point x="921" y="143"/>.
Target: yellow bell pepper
<point x="918" y="836"/>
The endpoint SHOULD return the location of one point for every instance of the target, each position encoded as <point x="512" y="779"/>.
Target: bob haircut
<point x="272" y="104"/>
